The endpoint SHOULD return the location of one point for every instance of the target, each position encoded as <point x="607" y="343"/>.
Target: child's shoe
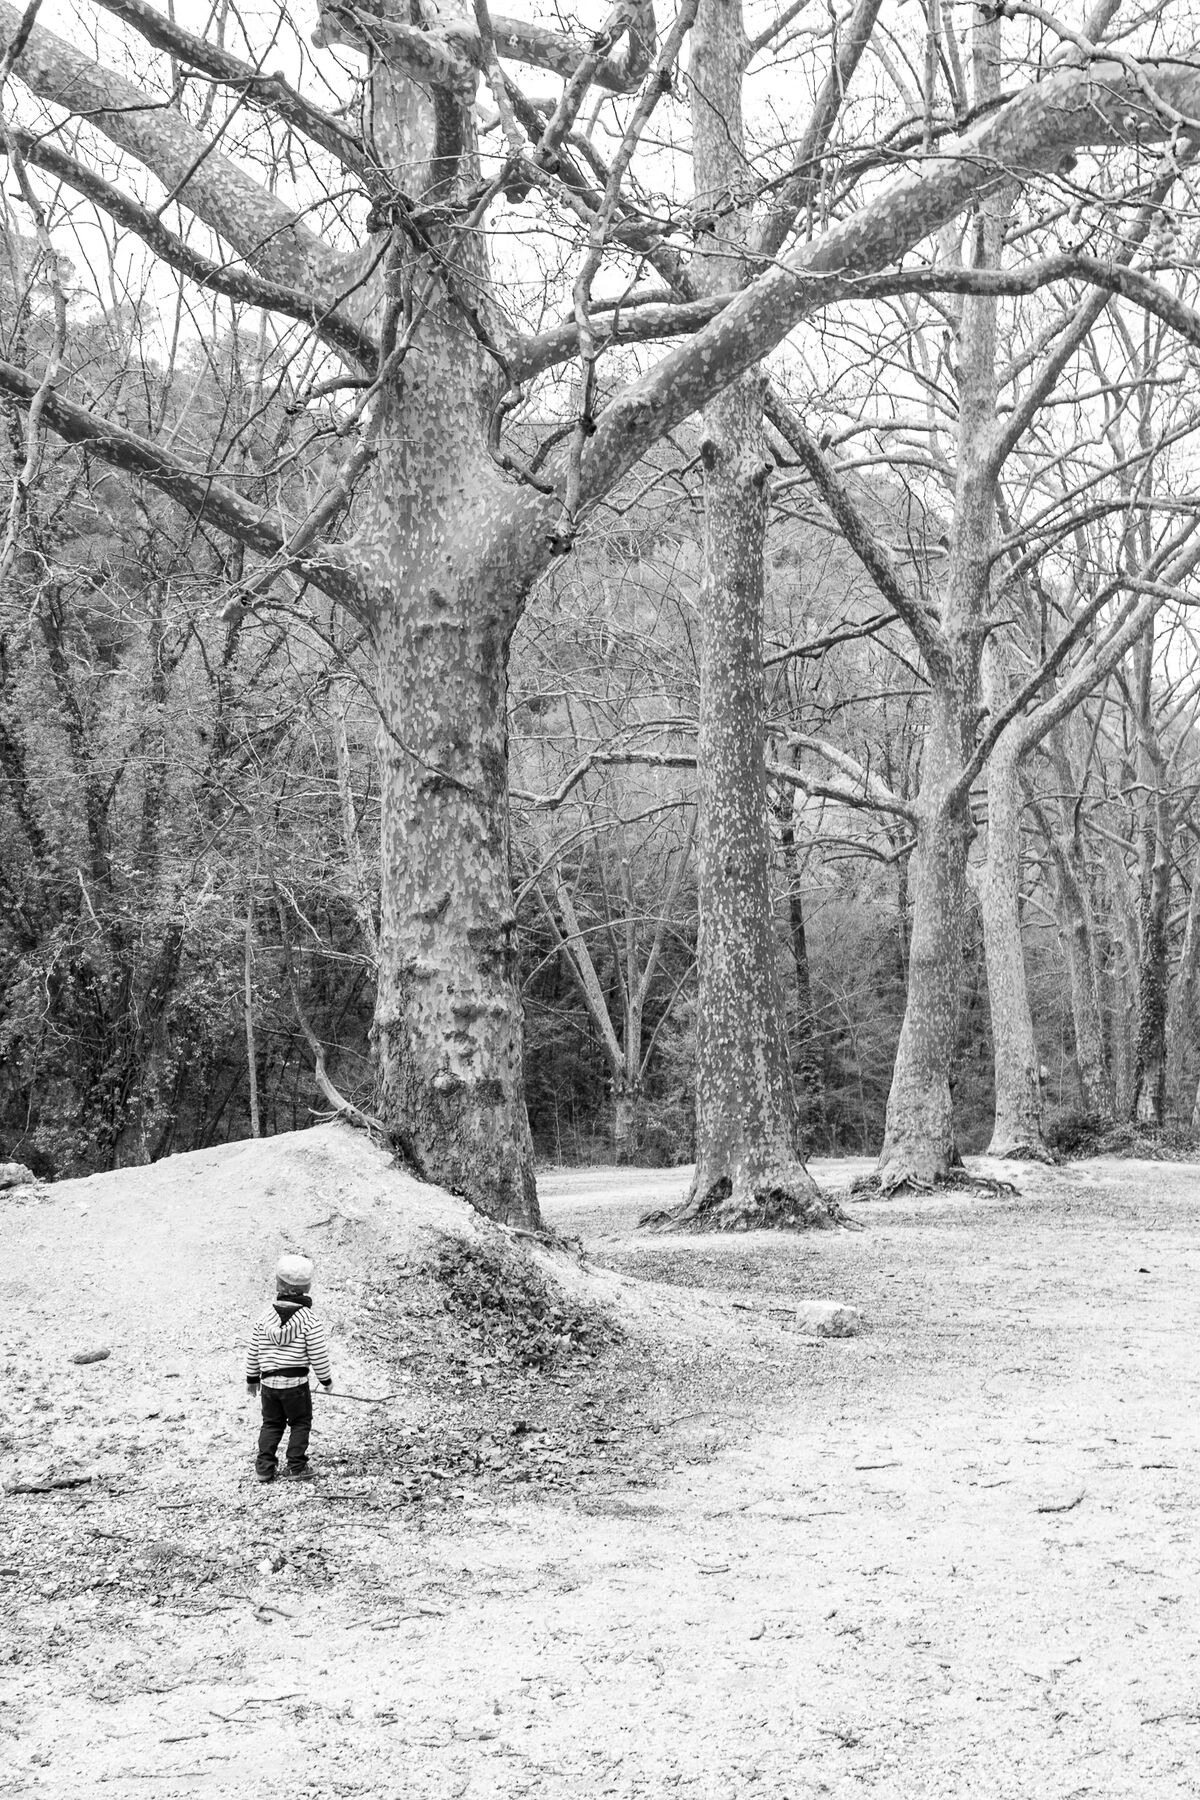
<point x="304" y="1474"/>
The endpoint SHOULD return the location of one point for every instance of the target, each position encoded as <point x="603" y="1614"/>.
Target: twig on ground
<point x="363" y="1399"/>
<point x="47" y="1487"/>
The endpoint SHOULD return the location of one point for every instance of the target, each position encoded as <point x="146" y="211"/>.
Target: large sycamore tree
<point x="365" y="211"/>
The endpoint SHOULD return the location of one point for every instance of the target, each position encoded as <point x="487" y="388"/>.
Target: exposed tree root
<point x="958" y="1181"/>
<point x="775" y="1207"/>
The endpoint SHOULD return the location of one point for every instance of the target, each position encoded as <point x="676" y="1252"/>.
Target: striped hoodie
<point x="286" y="1341"/>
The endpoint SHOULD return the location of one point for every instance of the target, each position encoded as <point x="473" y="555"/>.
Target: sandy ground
<point x="955" y="1555"/>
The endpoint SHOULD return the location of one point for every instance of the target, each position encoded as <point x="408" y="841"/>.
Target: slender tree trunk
<point x="1017" y="1128"/>
<point x="1150" y="1042"/>
<point x="807" y="1062"/>
<point x="1095" y="1086"/>
<point x="1071" y="892"/>
<point x="919" y="1146"/>
<point x="1181" y="1015"/>
<point x="902" y="918"/>
<point x="251" y="1050"/>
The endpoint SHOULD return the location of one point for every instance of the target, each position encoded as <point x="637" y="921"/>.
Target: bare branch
<point x="271" y="91"/>
<point x="599" y="759"/>
<point x="250" y="218"/>
<point x="650" y="321"/>
<point x="868" y="790"/>
<point x="871" y="552"/>
<point x="219" y="278"/>
<point x="201" y="495"/>
<point x="806" y="172"/>
<point x="1032" y="132"/>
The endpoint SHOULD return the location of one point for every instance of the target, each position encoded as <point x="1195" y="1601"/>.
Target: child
<point x="287" y="1340"/>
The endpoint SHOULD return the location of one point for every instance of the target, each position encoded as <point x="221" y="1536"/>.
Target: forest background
<point x="190" y="819"/>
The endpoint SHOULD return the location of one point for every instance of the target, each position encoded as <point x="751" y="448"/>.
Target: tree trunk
<point x="747" y="1171"/>
<point x="1017" y="1127"/>
<point x="447" y="1028"/>
<point x="918" y="1146"/>
<point x="447" y="577"/>
<point x="625" y="1122"/>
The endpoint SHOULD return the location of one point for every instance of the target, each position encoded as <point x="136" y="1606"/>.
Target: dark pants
<point x="281" y="1408"/>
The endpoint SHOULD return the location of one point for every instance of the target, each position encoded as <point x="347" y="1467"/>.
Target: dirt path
<point x="957" y="1555"/>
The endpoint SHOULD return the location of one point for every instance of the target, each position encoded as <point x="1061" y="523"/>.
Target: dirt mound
<point x="162" y="1267"/>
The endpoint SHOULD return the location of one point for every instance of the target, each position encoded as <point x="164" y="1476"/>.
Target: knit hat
<point x="294" y="1272"/>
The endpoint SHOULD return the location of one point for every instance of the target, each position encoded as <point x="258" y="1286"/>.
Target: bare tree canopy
<point x="409" y="219"/>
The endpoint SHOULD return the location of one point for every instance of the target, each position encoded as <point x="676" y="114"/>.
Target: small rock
<point x="1066" y="1501"/>
<point x="15" y="1174"/>
<point x="828" y="1318"/>
<point x="90" y="1356"/>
